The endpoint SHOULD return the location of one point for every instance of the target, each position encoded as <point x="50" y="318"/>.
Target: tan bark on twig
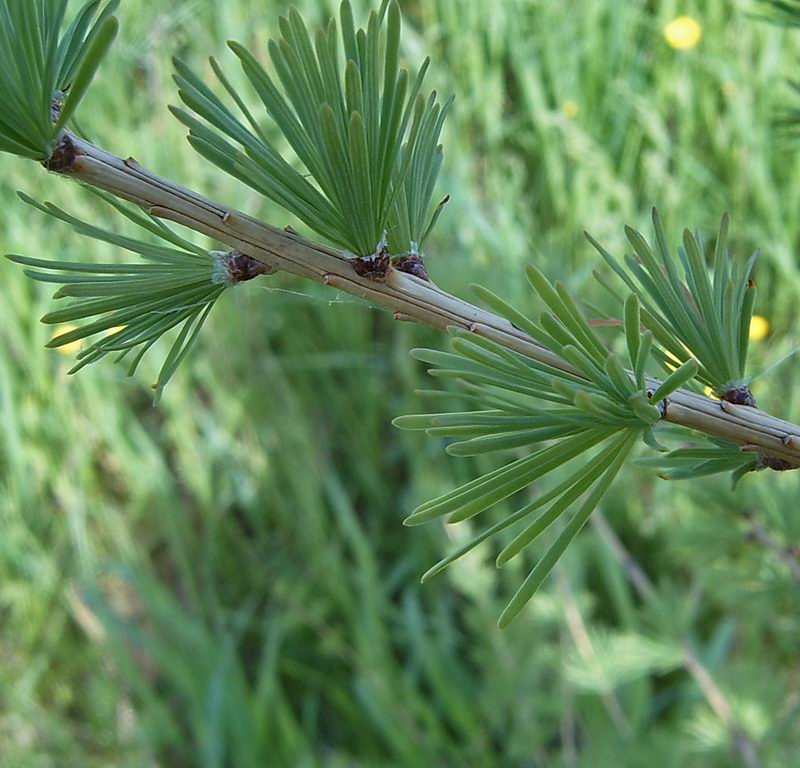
<point x="408" y="296"/>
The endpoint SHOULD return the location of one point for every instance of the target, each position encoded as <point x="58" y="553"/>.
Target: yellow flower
<point x="570" y="108"/>
<point x="683" y="32"/>
<point x="73" y="347"/>
<point x="759" y="327"/>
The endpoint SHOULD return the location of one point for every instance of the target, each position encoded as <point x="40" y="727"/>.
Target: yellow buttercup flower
<point x="68" y="350"/>
<point x="570" y="108"/>
<point x="73" y="347"/>
<point x="759" y="327"/>
<point x="683" y="32"/>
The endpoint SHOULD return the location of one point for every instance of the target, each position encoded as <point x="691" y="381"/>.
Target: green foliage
<point x="710" y="458"/>
<point x="364" y="132"/>
<point x="44" y="74"/>
<point x="200" y="665"/>
<point x="707" y="318"/>
<point x="789" y="117"/>
<point x="599" y="406"/>
<point x="621" y="658"/>
<point x="133" y="304"/>
<point x="785" y="12"/>
<point x="262" y="482"/>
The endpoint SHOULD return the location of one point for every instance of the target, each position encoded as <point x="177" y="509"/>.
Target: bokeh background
<point x="224" y="580"/>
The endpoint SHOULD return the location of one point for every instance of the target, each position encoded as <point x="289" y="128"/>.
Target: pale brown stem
<point x="583" y="644"/>
<point x="790" y="556"/>
<point x="716" y="699"/>
<point x="409" y="297"/>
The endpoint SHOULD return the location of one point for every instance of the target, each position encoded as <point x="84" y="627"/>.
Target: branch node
<point x="662" y="405"/>
<point x="374" y="267"/>
<point x="410" y="263"/>
<point x="62" y="158"/>
<point x="791" y="441"/>
<point x="774" y="463"/>
<point x="235" y="267"/>
<point x="740" y="395"/>
<point x="765" y="461"/>
<point x="227" y="217"/>
<point x="403" y="317"/>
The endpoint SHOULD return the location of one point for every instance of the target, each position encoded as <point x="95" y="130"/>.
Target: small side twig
<point x="790" y="556"/>
<point x="583" y="643"/>
<point x="716" y="699"/>
<point x="742" y="743"/>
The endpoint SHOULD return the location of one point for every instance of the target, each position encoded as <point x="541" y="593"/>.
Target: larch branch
<point x="407" y="296"/>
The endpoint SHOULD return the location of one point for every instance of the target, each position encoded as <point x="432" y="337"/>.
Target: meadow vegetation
<point x="224" y="580"/>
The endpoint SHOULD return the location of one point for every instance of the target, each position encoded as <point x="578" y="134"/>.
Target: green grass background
<point x="223" y="580"/>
